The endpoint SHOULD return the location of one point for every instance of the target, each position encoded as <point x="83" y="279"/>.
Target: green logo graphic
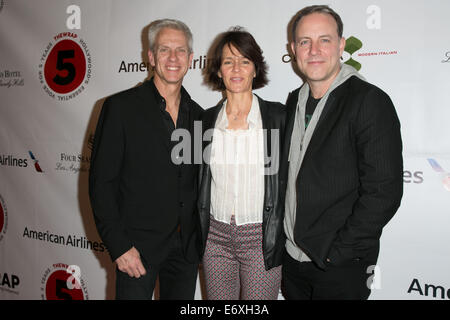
<point x="351" y="46"/>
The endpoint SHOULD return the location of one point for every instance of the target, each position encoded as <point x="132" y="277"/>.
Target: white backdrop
<point x="46" y="222"/>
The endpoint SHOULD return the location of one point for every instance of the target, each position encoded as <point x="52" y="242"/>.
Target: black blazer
<point x="273" y="117"/>
<point x="138" y="196"/>
<point x="350" y="182"/>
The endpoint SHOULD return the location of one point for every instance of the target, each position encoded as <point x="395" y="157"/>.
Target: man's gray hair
<point x="157" y="25"/>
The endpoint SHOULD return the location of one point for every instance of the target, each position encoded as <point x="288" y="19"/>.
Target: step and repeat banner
<point x="59" y="60"/>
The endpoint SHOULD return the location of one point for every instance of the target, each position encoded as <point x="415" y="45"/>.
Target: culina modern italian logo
<point x="352" y="45"/>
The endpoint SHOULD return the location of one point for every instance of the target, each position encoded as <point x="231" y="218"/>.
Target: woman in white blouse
<point x="240" y="214"/>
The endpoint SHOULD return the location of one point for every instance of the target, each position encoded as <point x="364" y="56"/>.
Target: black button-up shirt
<point x="183" y="113"/>
<point x="182" y="121"/>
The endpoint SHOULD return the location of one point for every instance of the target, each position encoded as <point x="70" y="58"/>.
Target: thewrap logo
<point x="445" y="176"/>
<point x="63" y="282"/>
<point x="9" y="282"/>
<point x="65" y="67"/>
<point x="3" y="218"/>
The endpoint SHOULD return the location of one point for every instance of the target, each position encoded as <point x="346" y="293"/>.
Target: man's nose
<point x="314" y="47"/>
<point x="172" y="55"/>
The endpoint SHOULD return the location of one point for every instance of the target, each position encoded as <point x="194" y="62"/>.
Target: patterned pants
<point x="234" y="266"/>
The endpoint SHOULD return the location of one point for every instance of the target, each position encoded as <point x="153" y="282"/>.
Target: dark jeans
<point x="177" y="278"/>
<point x="305" y="281"/>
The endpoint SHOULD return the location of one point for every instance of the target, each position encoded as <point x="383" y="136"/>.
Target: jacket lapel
<point x="291" y="107"/>
<point x="327" y="122"/>
<point x="209" y="121"/>
<point x="267" y="125"/>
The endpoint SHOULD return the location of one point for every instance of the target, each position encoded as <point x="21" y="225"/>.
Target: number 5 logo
<point x="61" y="65"/>
<point x="64" y="283"/>
<point x="65" y="67"/>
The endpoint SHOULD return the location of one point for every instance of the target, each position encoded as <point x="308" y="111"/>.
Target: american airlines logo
<point x="11" y="160"/>
<point x="36" y="162"/>
<point x="444" y="175"/>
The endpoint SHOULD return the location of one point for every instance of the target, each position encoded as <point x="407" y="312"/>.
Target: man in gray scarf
<point x="342" y="167"/>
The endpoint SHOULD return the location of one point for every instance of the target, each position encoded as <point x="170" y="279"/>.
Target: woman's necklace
<point x="236" y="116"/>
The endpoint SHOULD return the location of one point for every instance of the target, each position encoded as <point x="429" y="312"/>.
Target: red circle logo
<point x="3" y="218"/>
<point x="65" y="67"/>
<point x="56" y="287"/>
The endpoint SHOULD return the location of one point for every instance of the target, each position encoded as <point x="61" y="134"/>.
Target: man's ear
<point x="191" y="56"/>
<point x="293" y="47"/>
<point x="341" y="46"/>
<point x="151" y="58"/>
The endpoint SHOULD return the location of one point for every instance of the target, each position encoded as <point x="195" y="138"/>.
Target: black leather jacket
<point x="273" y="117"/>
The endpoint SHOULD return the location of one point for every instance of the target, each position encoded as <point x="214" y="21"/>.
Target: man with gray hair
<point x="143" y="200"/>
<point x="341" y="166"/>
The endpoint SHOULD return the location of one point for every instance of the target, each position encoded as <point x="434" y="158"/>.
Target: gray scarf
<point x="299" y="144"/>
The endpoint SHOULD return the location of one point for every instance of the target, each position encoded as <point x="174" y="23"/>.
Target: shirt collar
<point x="162" y="102"/>
<point x="253" y="118"/>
